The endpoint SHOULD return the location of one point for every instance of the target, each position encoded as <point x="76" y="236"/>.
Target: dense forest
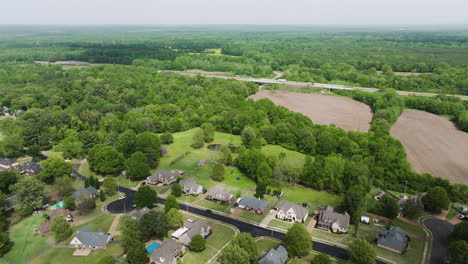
<point x="361" y="57"/>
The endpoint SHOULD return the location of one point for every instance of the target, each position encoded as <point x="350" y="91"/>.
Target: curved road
<point x="440" y="230"/>
<point x="126" y="205"/>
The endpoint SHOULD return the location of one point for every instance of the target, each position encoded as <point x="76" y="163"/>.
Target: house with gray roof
<point x="164" y="176"/>
<point x="89" y="192"/>
<point x="291" y="211"/>
<point x="167" y="253"/>
<point x="218" y="193"/>
<point x="394" y="239"/>
<point x="30" y="168"/>
<point x="190" y="186"/>
<point x="190" y="229"/>
<point x="138" y="214"/>
<point x="85" y="238"/>
<point x="8" y="164"/>
<point x="277" y="255"/>
<point x="328" y="219"/>
<point x="251" y="203"/>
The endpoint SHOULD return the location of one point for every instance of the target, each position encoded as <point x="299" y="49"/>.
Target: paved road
<point x="120" y="206"/>
<point x="440" y="230"/>
<point x="74" y="171"/>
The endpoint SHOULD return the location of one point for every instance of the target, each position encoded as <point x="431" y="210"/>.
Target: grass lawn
<point x="265" y="245"/>
<point x="64" y="255"/>
<point x="280" y="224"/>
<point x="26" y="244"/>
<point x="120" y="180"/>
<point x="187" y="198"/>
<point x="452" y="212"/>
<point x="253" y="216"/>
<point x="225" y="208"/>
<point x="275" y="150"/>
<point x="343" y="239"/>
<point x="410" y="228"/>
<point x="313" y="198"/>
<point x="198" y="257"/>
<point x="103" y="222"/>
<point x="221" y="234"/>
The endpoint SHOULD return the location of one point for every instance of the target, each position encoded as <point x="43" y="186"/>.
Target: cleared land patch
<point x="433" y="145"/>
<point x="321" y="109"/>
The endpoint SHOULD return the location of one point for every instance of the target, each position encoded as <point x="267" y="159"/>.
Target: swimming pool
<point x="57" y="206"/>
<point x="152" y="247"/>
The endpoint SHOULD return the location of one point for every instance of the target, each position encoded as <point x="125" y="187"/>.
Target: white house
<point x="190" y="186"/>
<point x="291" y="211"/>
<point x="85" y="238"/>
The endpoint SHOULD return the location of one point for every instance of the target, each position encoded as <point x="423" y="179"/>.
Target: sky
<point x="158" y="12"/>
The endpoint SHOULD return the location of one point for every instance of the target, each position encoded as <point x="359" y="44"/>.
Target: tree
<point x="321" y="259"/>
<point x="131" y="233"/>
<point x="298" y="241"/>
<point x="208" y="132"/>
<point x="146" y="197"/>
<point x="5" y="243"/>
<point x="198" y="139"/>
<point x="233" y="254"/>
<point x="460" y="232"/>
<point x="149" y="144"/>
<point x="436" y="200"/>
<point x="197" y="244"/>
<point x="137" y="254"/>
<point x="69" y="202"/>
<point x="246" y="242"/>
<point x="388" y="207"/>
<point x="53" y="168"/>
<point x="102" y="196"/>
<point x="218" y="172"/>
<point x="64" y="185"/>
<point x="153" y="224"/>
<point x="125" y="142"/>
<point x="61" y="228"/>
<point x="7" y="179"/>
<point x="361" y="252"/>
<point x="176" y="190"/>
<point x="109" y="186"/>
<point x="85" y="204"/>
<point x="175" y="218"/>
<point x="412" y="208"/>
<point x="353" y="202"/>
<point x="30" y="194"/>
<point x="458" y="252"/>
<point x="249" y="138"/>
<point x="105" y="159"/>
<point x="226" y="156"/>
<point x="137" y="166"/>
<point x="171" y="202"/>
<point x="167" y="138"/>
<point x="260" y="190"/>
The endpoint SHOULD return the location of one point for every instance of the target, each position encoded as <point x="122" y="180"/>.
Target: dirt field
<point x="433" y="145"/>
<point x="322" y="109"/>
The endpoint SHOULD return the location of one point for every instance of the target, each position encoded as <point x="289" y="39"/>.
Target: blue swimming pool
<point x="152" y="247"/>
<point x="57" y="206"/>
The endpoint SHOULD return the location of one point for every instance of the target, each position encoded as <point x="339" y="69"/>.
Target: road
<point x="306" y="84"/>
<point x="440" y="230"/>
<point x="120" y="206"/>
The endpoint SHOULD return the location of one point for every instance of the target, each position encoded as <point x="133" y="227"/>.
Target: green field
<point x="101" y="223"/>
<point x="265" y="245"/>
<point x="313" y="198"/>
<point x="26" y="244"/>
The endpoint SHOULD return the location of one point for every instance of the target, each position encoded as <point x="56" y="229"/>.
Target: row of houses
<point x="28" y="168"/>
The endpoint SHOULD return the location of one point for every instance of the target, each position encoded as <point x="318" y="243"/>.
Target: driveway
<point x="440" y="230"/>
<point x="123" y="205"/>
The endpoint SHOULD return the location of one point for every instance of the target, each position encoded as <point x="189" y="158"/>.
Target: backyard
<point x="313" y="198"/>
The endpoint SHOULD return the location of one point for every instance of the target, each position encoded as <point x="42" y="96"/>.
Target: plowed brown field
<point x="433" y="144"/>
<point x="322" y="109"/>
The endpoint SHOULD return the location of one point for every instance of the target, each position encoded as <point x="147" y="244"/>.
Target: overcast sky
<point x="362" y="12"/>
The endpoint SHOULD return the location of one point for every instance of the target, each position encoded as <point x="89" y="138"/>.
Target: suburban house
<point x="276" y="255"/>
<point x="251" y="203"/>
<point x="167" y="253"/>
<point x="328" y="219"/>
<point x="85" y="238"/>
<point x="30" y="168"/>
<point x="219" y="194"/>
<point x="394" y="239"/>
<point x="164" y="176"/>
<point x="139" y="213"/>
<point x="190" y="229"/>
<point x="89" y="192"/>
<point x="8" y="164"/>
<point x="61" y="211"/>
<point x="190" y="186"/>
<point x="291" y="211"/>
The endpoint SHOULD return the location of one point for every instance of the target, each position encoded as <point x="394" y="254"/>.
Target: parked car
<point x="271" y="211"/>
<point x="122" y="197"/>
<point x="463" y="217"/>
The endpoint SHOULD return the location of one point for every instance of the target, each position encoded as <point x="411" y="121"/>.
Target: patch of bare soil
<point x="433" y="145"/>
<point x="344" y="112"/>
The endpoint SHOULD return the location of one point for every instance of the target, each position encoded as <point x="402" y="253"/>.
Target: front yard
<point x="313" y="198"/>
<point x="221" y="207"/>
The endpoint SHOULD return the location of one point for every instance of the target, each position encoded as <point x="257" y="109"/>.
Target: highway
<point x="126" y="205"/>
<point x="306" y="84"/>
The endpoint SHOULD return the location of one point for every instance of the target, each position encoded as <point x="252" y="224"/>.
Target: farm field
<point x="433" y="145"/>
<point x="321" y="109"/>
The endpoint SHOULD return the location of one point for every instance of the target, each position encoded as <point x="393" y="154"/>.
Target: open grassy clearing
<point x="64" y="255"/>
<point x="313" y="198"/>
<point x="103" y="223"/>
<point x="26" y="244"/>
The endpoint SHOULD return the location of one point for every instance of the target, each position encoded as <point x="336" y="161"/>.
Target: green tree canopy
<point x="208" y="132"/>
<point x="153" y="224"/>
<point x="436" y="200"/>
<point x="30" y="194"/>
<point x="175" y="218"/>
<point x="298" y="241"/>
<point x="167" y="138"/>
<point x="5" y="243"/>
<point x="61" y="228"/>
<point x="137" y="167"/>
<point x="233" y="254"/>
<point x="137" y="254"/>
<point x="176" y="190"/>
<point x="246" y="242"/>
<point x="198" y="243"/>
<point x="458" y="252"/>
<point x="125" y="142"/>
<point x="198" y="139"/>
<point x="69" y="202"/>
<point x="171" y="202"/>
<point x="218" y="172"/>
<point x="109" y="186"/>
<point x="388" y="207"/>
<point x="460" y="232"/>
<point x="321" y="259"/>
<point x="150" y="145"/>
<point x="53" y="168"/>
<point x="361" y="252"/>
<point x="146" y="197"/>
<point x="105" y="159"/>
<point x="353" y="202"/>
